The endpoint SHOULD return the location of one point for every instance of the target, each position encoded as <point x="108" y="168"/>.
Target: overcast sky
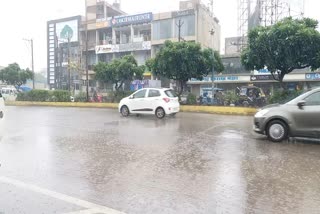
<point x="21" y="19"/>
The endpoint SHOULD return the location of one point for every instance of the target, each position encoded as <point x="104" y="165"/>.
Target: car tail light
<point x="166" y="100"/>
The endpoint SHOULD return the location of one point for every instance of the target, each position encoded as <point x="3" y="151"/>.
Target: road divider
<point x="184" y="108"/>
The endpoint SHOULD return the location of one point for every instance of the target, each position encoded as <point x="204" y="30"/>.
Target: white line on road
<point x="91" y="211"/>
<point x="85" y="204"/>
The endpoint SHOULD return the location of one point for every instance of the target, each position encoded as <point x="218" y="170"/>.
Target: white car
<point x="160" y="102"/>
<point x="1" y="106"/>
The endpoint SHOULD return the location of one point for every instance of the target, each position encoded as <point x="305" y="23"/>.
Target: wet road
<point x="71" y="160"/>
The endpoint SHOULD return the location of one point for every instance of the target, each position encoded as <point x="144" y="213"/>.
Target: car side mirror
<point x="131" y="97"/>
<point x="301" y="104"/>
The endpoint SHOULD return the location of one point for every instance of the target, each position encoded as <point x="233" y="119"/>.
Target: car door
<point x="307" y="118"/>
<point x="153" y="99"/>
<point x="138" y="102"/>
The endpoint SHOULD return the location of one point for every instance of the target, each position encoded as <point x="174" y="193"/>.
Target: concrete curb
<point x="200" y="109"/>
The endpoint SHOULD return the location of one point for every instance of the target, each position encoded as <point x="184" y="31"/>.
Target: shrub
<point x="191" y="99"/>
<point x="22" y="97"/>
<point x="60" y="96"/>
<point x="38" y="95"/>
<point x="117" y="96"/>
<point x="44" y="96"/>
<point x="283" y="96"/>
<point x="81" y="97"/>
<point x="231" y="97"/>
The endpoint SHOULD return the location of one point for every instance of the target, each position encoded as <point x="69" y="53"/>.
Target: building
<point x="235" y="75"/>
<point x="111" y="34"/>
<point x="196" y="23"/>
<point x="64" y="53"/>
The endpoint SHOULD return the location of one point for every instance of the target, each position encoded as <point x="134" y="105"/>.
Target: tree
<point x="181" y="61"/>
<point x="288" y="45"/>
<point x="119" y="71"/>
<point x="14" y="75"/>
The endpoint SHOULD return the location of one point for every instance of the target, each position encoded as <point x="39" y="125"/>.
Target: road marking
<point x="91" y="211"/>
<point x="81" y="203"/>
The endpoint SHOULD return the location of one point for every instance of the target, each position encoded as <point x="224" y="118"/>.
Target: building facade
<point x="235" y="75"/>
<point x="111" y="34"/>
<point x="64" y="53"/>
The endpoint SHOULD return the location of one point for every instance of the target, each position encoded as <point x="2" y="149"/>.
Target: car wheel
<point x="1" y="114"/>
<point x="125" y="111"/>
<point x="277" y="131"/>
<point x="160" y="113"/>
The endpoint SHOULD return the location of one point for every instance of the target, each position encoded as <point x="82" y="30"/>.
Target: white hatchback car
<point x="160" y="102"/>
<point x="1" y="106"/>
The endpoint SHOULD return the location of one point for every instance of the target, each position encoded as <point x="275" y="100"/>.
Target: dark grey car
<point x="298" y="118"/>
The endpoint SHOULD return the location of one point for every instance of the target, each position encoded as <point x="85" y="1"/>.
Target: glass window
<point x="162" y="29"/>
<point x="140" y="94"/>
<point x="188" y="27"/>
<point x="170" y="93"/>
<point x="154" y="93"/>
<point x="313" y="99"/>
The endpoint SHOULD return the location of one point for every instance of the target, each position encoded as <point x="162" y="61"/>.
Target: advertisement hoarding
<point x="67" y="30"/>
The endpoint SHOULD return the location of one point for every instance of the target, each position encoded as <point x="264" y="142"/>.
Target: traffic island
<point x="184" y="108"/>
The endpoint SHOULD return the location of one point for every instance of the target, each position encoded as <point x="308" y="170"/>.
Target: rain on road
<point x="194" y="163"/>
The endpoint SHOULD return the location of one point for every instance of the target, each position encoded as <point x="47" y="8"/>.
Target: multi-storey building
<point x="111" y="33"/>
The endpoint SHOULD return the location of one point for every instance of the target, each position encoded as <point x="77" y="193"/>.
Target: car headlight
<point x="262" y="113"/>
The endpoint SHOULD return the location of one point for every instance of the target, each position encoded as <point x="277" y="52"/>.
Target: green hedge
<point x="44" y="96"/>
<point x="81" y="97"/>
<point x="283" y="96"/>
<point x="191" y="99"/>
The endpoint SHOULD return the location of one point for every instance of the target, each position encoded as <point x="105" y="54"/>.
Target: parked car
<point x="1" y="106"/>
<point x="298" y="118"/>
<point x="9" y="94"/>
<point x="160" y="102"/>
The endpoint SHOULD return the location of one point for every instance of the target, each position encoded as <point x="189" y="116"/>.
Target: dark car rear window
<point x="170" y="93"/>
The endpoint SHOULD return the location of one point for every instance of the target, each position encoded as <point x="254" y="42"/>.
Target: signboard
<point x="262" y="72"/>
<point x="262" y="78"/>
<point x="313" y="76"/>
<point x="134" y="19"/>
<point x="101" y="49"/>
<point x="216" y="78"/>
<point x="135" y="46"/>
<point x="67" y="30"/>
<point x="182" y="13"/>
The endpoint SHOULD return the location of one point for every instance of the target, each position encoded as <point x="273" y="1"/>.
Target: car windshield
<point x="294" y="100"/>
<point x="170" y="93"/>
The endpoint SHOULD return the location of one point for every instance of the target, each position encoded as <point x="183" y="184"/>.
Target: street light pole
<point x="69" y="71"/>
<point x="87" y="57"/>
<point x="32" y="65"/>
<point x="32" y="61"/>
<point x="212" y="77"/>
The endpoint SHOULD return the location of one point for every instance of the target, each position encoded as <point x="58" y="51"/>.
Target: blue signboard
<point x="134" y="19"/>
<point x="217" y="78"/>
<point x="313" y="76"/>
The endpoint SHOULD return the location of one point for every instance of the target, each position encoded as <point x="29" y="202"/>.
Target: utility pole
<point x="179" y="25"/>
<point x="212" y="77"/>
<point x="32" y="60"/>
<point x="69" y="71"/>
<point x="87" y="57"/>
